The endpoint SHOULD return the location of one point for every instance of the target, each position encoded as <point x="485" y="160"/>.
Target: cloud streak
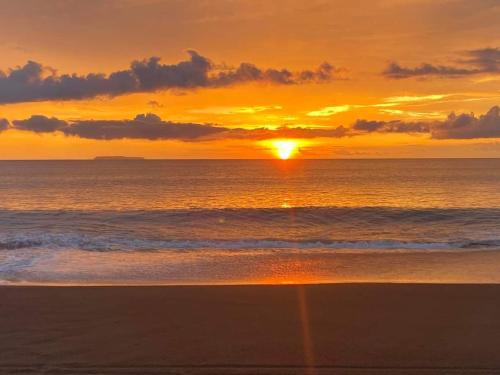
<point x="391" y="101"/>
<point x="414" y="98"/>
<point x="35" y="82"/>
<point x="474" y="62"/>
<point x="329" y="111"/>
<point x="236" y="110"/>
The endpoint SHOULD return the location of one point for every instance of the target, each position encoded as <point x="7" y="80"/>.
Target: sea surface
<point x="249" y="221"/>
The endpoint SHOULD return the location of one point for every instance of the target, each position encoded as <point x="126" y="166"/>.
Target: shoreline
<point x="349" y="328"/>
<point x="222" y="284"/>
<point x="81" y="268"/>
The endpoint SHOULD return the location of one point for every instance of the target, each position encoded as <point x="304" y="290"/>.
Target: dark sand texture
<point x="316" y="329"/>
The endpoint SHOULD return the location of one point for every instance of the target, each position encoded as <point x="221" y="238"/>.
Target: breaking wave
<point x="81" y="242"/>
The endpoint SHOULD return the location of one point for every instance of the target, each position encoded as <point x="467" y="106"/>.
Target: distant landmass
<point x="118" y="158"/>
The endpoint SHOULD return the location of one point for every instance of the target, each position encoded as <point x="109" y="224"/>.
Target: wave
<point x="82" y="242"/>
<point x="252" y="228"/>
<point x="306" y="213"/>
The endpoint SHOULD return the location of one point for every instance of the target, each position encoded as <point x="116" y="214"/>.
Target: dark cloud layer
<point x="468" y="126"/>
<point x="144" y="126"/>
<point x="4" y="124"/>
<point x="463" y="126"/>
<point x="40" y="124"/>
<point x="139" y="129"/>
<point x="34" y="82"/>
<point x="479" y="61"/>
<point x="391" y="126"/>
<point x="150" y="126"/>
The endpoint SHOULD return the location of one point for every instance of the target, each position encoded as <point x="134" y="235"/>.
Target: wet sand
<point x="315" y="329"/>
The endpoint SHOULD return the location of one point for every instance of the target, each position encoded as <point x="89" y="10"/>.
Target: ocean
<point x="129" y="222"/>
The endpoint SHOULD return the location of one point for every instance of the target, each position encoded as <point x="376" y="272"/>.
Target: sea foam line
<point x="100" y="243"/>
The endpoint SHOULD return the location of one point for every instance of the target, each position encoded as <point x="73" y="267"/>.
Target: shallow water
<point x="164" y="222"/>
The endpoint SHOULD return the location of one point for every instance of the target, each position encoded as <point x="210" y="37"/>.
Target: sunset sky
<point x="228" y="78"/>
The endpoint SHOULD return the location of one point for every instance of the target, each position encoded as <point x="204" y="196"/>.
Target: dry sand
<point x="316" y="329"/>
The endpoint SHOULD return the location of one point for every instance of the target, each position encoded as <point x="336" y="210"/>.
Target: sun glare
<point x="285" y="149"/>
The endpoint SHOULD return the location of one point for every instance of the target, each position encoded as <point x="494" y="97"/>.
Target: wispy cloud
<point x="383" y="105"/>
<point x="329" y="111"/>
<point x="400" y="112"/>
<point x="154" y="104"/>
<point x="388" y="102"/>
<point x="236" y="110"/>
<point x="414" y="98"/>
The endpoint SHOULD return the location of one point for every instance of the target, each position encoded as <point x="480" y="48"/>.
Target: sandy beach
<point x="314" y="329"/>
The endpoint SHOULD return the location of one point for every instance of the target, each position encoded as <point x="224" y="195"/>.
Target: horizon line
<point x="139" y="159"/>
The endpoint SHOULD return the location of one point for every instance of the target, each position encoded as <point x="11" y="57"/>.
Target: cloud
<point x="148" y="118"/>
<point x="287" y="132"/>
<point x="396" y="126"/>
<point x="247" y="72"/>
<point x="394" y="70"/>
<point x="40" y="124"/>
<point x="486" y="59"/>
<point x="144" y="126"/>
<point x="4" y="124"/>
<point x="236" y="110"/>
<point x="154" y="104"/>
<point x="463" y="126"/>
<point x="151" y="127"/>
<point x="34" y="82"/>
<point x="328" y="111"/>
<point x="414" y="98"/>
<point x="388" y="102"/>
<point x="416" y="114"/>
<point x="478" y="61"/>
<point x="391" y="101"/>
<point x="468" y="126"/>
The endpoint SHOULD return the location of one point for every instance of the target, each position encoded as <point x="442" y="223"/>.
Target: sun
<point x="285" y="149"/>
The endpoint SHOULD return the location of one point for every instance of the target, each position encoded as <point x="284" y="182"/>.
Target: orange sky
<point x="359" y="38"/>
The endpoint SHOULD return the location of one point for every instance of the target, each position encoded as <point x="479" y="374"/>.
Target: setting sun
<point x="285" y="149"/>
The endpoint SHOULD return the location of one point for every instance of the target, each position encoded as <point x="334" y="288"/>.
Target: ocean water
<point x="260" y="221"/>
